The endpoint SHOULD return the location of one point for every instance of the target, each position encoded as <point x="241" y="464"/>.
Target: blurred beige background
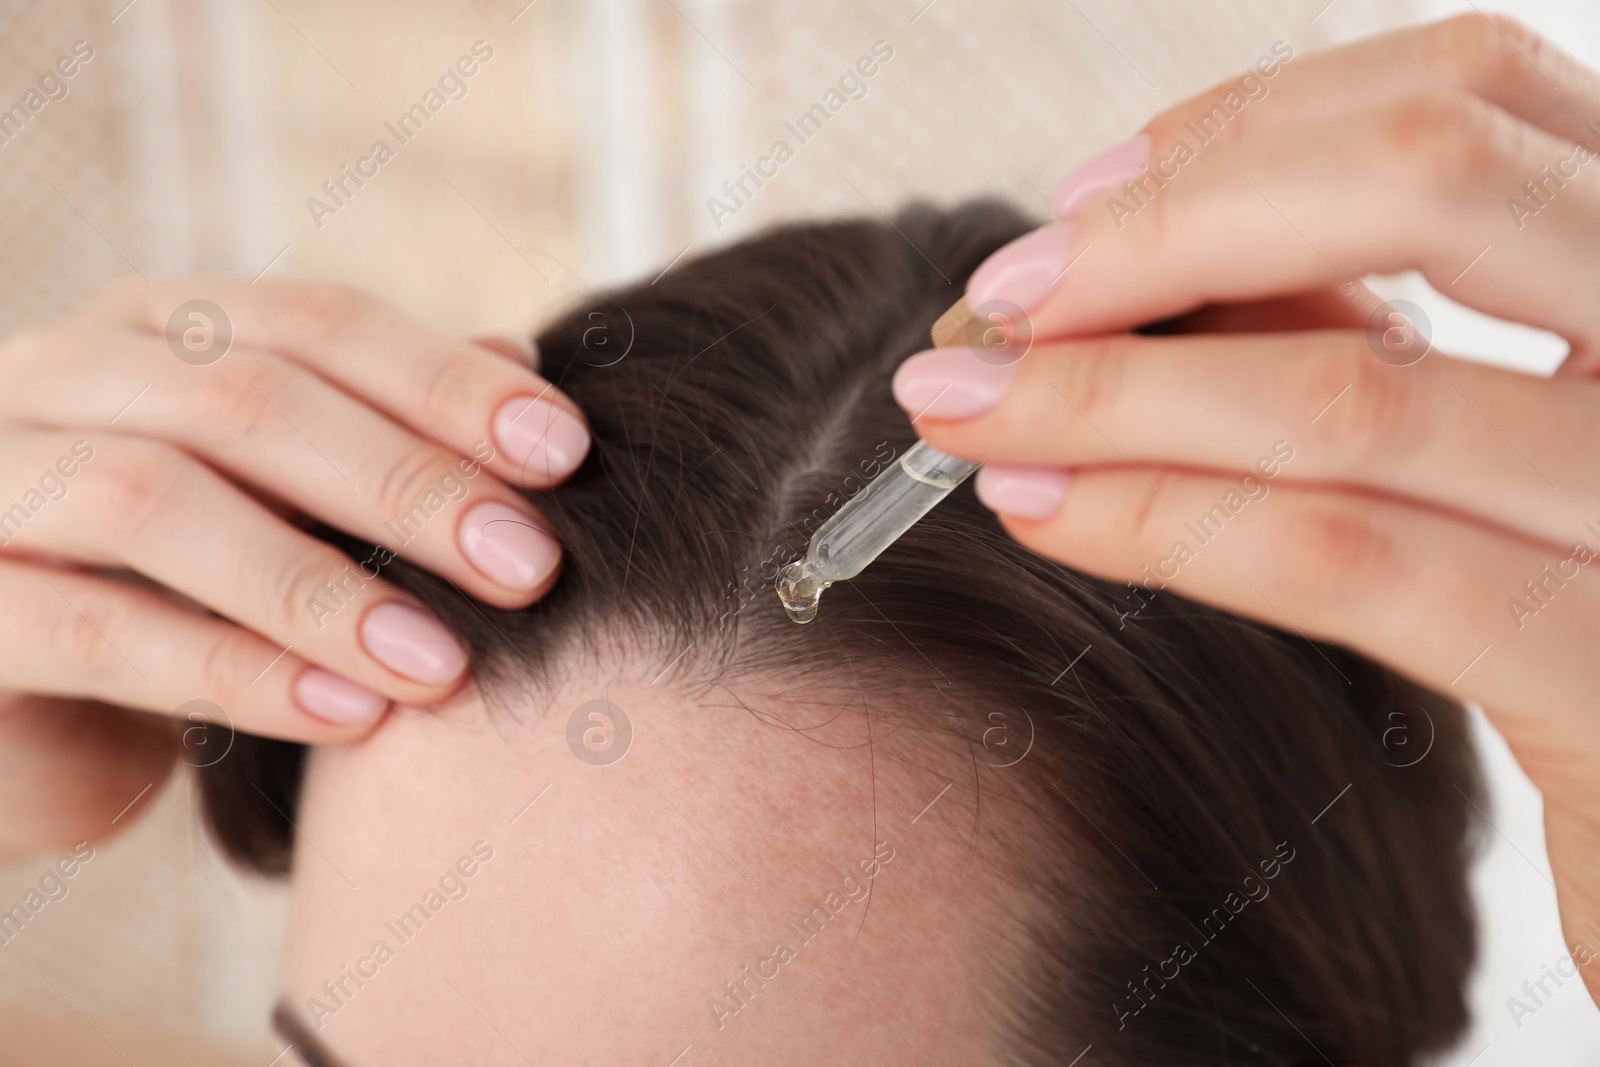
<point x="582" y="154"/>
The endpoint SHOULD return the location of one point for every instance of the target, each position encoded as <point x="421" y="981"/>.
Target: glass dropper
<point x="868" y="523"/>
<point x="875" y="518"/>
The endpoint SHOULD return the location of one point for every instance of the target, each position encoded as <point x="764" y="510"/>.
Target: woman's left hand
<point x="1303" y="459"/>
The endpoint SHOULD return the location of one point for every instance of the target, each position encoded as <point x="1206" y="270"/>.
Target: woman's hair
<point x="1231" y="859"/>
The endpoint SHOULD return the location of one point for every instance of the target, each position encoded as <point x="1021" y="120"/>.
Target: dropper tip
<point x="799" y="592"/>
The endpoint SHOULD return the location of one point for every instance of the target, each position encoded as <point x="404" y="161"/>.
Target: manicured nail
<point x="1024" y="271"/>
<point x="540" y="437"/>
<point x="1117" y="164"/>
<point x="1025" y="492"/>
<point x="507" y="546"/>
<point x="412" y="643"/>
<point x="950" y="383"/>
<point x="337" y="700"/>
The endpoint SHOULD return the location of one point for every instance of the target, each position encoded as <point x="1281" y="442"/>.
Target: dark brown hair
<point x="1233" y="860"/>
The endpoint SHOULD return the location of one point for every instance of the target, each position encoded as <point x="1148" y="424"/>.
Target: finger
<point x="515" y="347"/>
<point x="69" y="634"/>
<point x="277" y="426"/>
<point x="1572" y="840"/>
<point x="1313" y="406"/>
<point x="1420" y="183"/>
<point x="115" y="759"/>
<point x="441" y="386"/>
<point x="134" y="503"/>
<point x="1323" y="309"/>
<point x="1491" y="56"/>
<point x="1424" y="593"/>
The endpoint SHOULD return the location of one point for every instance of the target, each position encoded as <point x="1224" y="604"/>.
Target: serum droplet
<point x="799" y="591"/>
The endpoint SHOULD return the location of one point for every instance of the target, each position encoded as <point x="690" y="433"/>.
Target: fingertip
<point x="1029" y="493"/>
<point x="337" y="700"/>
<point x="544" y="441"/>
<point x="413" y="644"/>
<point x="1098" y="176"/>
<point x="950" y="383"/>
<point x="1024" y="272"/>
<point x="515" y="550"/>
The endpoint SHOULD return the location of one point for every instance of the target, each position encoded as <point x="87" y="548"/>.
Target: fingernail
<point x="1100" y="175"/>
<point x="1025" y="492"/>
<point x="949" y="383"/>
<point x="507" y="546"/>
<point x="412" y="643"/>
<point x="1024" y="271"/>
<point x="540" y="437"/>
<point x="337" y="700"/>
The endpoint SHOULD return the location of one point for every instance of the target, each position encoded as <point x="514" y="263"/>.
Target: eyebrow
<point x="288" y="1026"/>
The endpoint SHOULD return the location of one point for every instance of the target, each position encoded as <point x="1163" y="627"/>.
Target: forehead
<point x="754" y="872"/>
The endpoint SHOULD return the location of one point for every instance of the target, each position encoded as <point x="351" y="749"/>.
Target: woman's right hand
<point x="157" y="450"/>
<point x="1438" y="519"/>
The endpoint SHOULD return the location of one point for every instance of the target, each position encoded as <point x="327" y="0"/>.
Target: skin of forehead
<point x="621" y="897"/>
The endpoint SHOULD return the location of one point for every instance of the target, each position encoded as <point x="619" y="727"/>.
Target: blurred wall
<point x="582" y="153"/>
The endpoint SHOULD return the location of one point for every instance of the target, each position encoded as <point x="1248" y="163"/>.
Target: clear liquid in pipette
<point x="867" y="524"/>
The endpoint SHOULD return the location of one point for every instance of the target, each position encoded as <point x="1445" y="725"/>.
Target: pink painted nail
<point x="949" y="383"/>
<point x="507" y="546"/>
<point x="337" y="700"/>
<point x="1098" y="176"/>
<point x="411" y="643"/>
<point x="540" y="438"/>
<point x="1024" y="271"/>
<point x="1025" y="492"/>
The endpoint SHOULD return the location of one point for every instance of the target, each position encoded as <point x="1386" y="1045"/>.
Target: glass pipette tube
<point x="868" y="523"/>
